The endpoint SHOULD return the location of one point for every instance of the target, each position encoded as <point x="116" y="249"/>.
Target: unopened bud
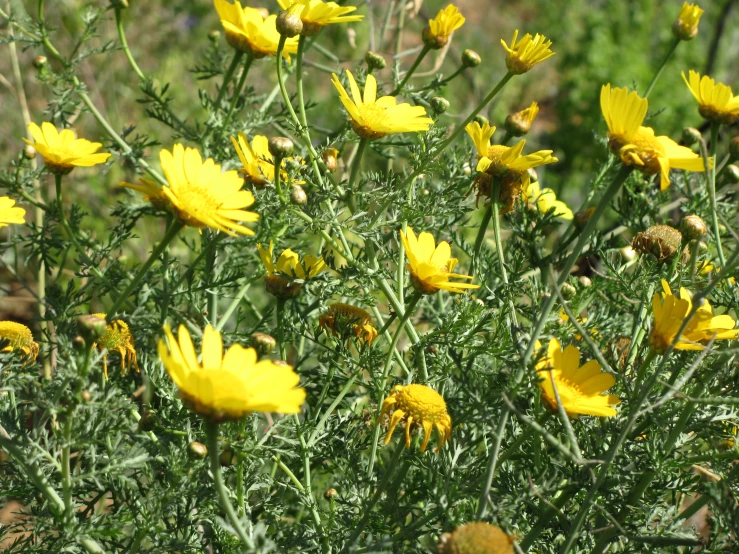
<point x="481" y="119"/>
<point x="214" y="36"/>
<point x="585" y="281"/>
<point x="686" y="24"/>
<point x="197" y="450"/>
<point x="330" y="159"/>
<point x="263" y="343"/>
<point x="470" y="58"/>
<point x="568" y="291"/>
<point x="732" y="173"/>
<point x="228" y="456"/>
<point x="40" y="62"/>
<point x="439" y="104"/>
<point x="280" y="147"/>
<point x="693" y="227"/>
<point x="91" y="328"/>
<point x="691" y="135"/>
<point x="298" y="196"/>
<point x="582" y="218"/>
<point x="519" y="123"/>
<point x="29" y="152"/>
<point x="330" y="494"/>
<point x="734" y="148"/>
<point x="374" y="61"/>
<point x="289" y="23"/>
<point x="661" y="241"/>
<point x="78" y="343"/>
<point x="627" y="253"/>
<point x="292" y="164"/>
<point x="86" y="396"/>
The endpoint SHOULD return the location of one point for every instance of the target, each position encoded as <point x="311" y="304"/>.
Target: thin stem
<point x="666" y="59"/>
<point x="482" y="503"/>
<point x="299" y="82"/>
<point x="124" y="44"/>
<point x="480" y="238"/>
<point x="421" y="55"/>
<point x="712" y="192"/>
<point x="232" y="306"/>
<point x="227" y="78"/>
<point x="280" y="313"/>
<point x="351" y="199"/>
<point x="499" y="247"/>
<point x="237" y="90"/>
<point x="66" y="473"/>
<point x="330" y="410"/>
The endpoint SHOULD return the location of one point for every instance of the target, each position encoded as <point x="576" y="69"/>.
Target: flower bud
<point x="40" y="62"/>
<point x="298" y="196"/>
<point x="693" y="227"/>
<point x="686" y="24"/>
<point x="732" y="173"/>
<point x="330" y="494"/>
<point x="476" y="538"/>
<point x="280" y="147"/>
<point x="29" y="152"/>
<point x="467" y="169"/>
<point x="292" y="164"/>
<point x="691" y="136"/>
<point x="661" y="241"/>
<point x="734" y="148"/>
<point x="228" y="456"/>
<point x="585" y="281"/>
<point x="91" y="328"/>
<point x="214" y="36"/>
<point x="519" y="123"/>
<point x="263" y="343"/>
<point x="582" y="218"/>
<point x="78" y="343"/>
<point x="289" y="23"/>
<point x="439" y="105"/>
<point x="86" y="396"/>
<point x="627" y="253"/>
<point x="481" y="119"/>
<point x="374" y="61"/>
<point x="197" y="450"/>
<point x="470" y="58"/>
<point x="330" y="159"/>
<point x="568" y="291"/>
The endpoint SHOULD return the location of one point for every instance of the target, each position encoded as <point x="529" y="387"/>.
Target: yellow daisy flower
<point x="669" y="313"/>
<point x="716" y="101"/>
<point x="431" y="266"/>
<point x="203" y="196"/>
<point x="421" y="405"/>
<point x="17" y="337"/>
<point x="504" y="163"/>
<point x="686" y="24"/>
<point x="624" y="113"/>
<point x="281" y="276"/>
<point x="448" y="20"/>
<point x="580" y="388"/>
<point x="10" y="213"/>
<point x="63" y="151"/>
<point x="257" y="164"/>
<point x="117" y="338"/>
<point x="248" y="31"/>
<point x="341" y="319"/>
<point x="527" y="52"/>
<point x="705" y="267"/>
<point x="519" y="123"/>
<point x="373" y="118"/>
<point x="228" y="387"/>
<point x="476" y="538"/>
<point x="545" y="200"/>
<point x="152" y="192"/>
<point x="316" y="14"/>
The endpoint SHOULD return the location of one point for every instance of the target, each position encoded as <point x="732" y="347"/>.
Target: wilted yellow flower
<point x="716" y="101"/>
<point x="373" y="118"/>
<point x="117" y="338"/>
<point x="248" y="31"/>
<point x="686" y="24"/>
<point x="16" y="336"/>
<point x="580" y="388"/>
<point x="476" y="538"/>
<point x="63" y="151"/>
<point x="10" y="213"/>
<point x="448" y="20"/>
<point x="519" y="123"/>
<point x="342" y="319"/>
<point x="316" y="14"/>
<point x="419" y="405"/>
<point x="526" y="53"/>
<point x="669" y="314"/>
<point x="281" y="276"/>
<point x="226" y="388"/>
<point x="431" y="266"/>
<point x="545" y="200"/>
<point x="624" y="113"/>
<point x="152" y="192"/>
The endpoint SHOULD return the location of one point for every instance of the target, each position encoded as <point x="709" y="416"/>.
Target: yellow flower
<point x="624" y="113"/>
<point x="580" y="388"/>
<point x="16" y="336"/>
<point x="373" y="118"/>
<point x="504" y="163"/>
<point x="63" y="151"/>
<point x="10" y="213"/>
<point x="518" y="124"/>
<point x="421" y="405"/>
<point x="316" y="14"/>
<point x="705" y="267"/>
<point x="226" y="388"/>
<point x="431" y="266"/>
<point x="545" y="200"/>
<point x="341" y="319"/>
<point x="281" y="276"/>
<point x="152" y="192"/>
<point x="118" y="338"/>
<point x="248" y="31"/>
<point x="686" y="24"/>
<point x="448" y="20"/>
<point x="257" y="164"/>
<point x="716" y="102"/>
<point x="201" y="194"/>
<point x="669" y="314"/>
<point x="476" y="538"/>
<point x="526" y="53"/>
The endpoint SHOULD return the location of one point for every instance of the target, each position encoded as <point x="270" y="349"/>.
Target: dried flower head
<point x="117" y="338"/>
<point x="661" y="241"/>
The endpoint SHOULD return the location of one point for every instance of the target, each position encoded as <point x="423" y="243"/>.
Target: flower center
<point x="196" y="200"/>
<point x="422" y="403"/>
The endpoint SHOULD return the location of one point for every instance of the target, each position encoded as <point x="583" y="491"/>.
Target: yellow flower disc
<point x="421" y="405"/>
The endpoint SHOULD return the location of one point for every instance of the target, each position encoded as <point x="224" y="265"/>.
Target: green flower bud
<point x="585" y="281"/>
<point x="214" y="36"/>
<point x="29" y="152"/>
<point x="40" y="62"/>
<point x="693" y="227"/>
<point x="691" y="136"/>
<point x="627" y="253"/>
<point x="374" y="61"/>
<point x="298" y="196"/>
<point x="481" y="119"/>
<point x="280" y="147"/>
<point x="568" y="291"/>
<point x="289" y="23"/>
<point x="330" y="494"/>
<point x="435" y="42"/>
<point x="470" y="58"/>
<point x="263" y="343"/>
<point x="439" y="104"/>
<point x="197" y="450"/>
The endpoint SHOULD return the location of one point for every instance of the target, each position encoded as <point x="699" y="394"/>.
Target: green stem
<point x="124" y="44"/>
<point x="299" y="82"/>
<point x="666" y="59"/>
<point x="421" y="55"/>
<point x="232" y="306"/>
<point x="492" y="464"/>
<point x="480" y="238"/>
<point x="499" y="247"/>
<point x="237" y="90"/>
<point x="351" y="198"/>
<point x="280" y="313"/>
<point x="712" y="192"/>
<point x="211" y="430"/>
<point x="330" y="410"/>
<point x="227" y="78"/>
<point x="210" y="272"/>
<point x="66" y="473"/>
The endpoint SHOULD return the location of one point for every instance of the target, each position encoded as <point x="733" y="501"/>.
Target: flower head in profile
<point x="153" y="192"/>
<point x="117" y="338"/>
<point x="421" y="406"/>
<point x="316" y="14"/>
<point x="686" y="24"/>
<point x="201" y="195"/>
<point x="580" y="388"/>
<point x="716" y="101"/>
<point x="430" y="265"/>
<point x="257" y="163"/>
<point x="638" y="146"/>
<point x="10" y="213"/>
<point x="373" y="118"/>
<point x="476" y="538"/>
<point x="62" y="150"/>
<point x="670" y="312"/>
<point x="526" y="53"/>
<point x="546" y="201"/>
<point x="286" y="277"/>
<point x="16" y="337"/>
<point x="436" y="34"/>
<point x="248" y="31"/>
<point x="227" y="387"/>
<point x="503" y="166"/>
<point x="345" y="320"/>
<point x="519" y="123"/>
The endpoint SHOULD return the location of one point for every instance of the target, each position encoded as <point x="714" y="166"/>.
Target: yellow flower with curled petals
<point x="526" y="53"/>
<point x="316" y="14"/>
<point x="430" y="265"/>
<point x="117" y="338"/>
<point x="519" y="123"/>
<point x="638" y="146"/>
<point x="248" y="31"/>
<point x="419" y="405"/>
<point x="670" y="312"/>
<point x="62" y="150"/>
<point x="373" y="118"/>
<point x="10" y="213"/>
<point x="285" y="278"/>
<point x="16" y="337"/>
<point x="436" y="34"/>
<point x="228" y="387"/>
<point x="686" y="24"/>
<point x="545" y="201"/>
<point x="580" y="388"/>
<point x="345" y="319"/>
<point x="716" y="101"/>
